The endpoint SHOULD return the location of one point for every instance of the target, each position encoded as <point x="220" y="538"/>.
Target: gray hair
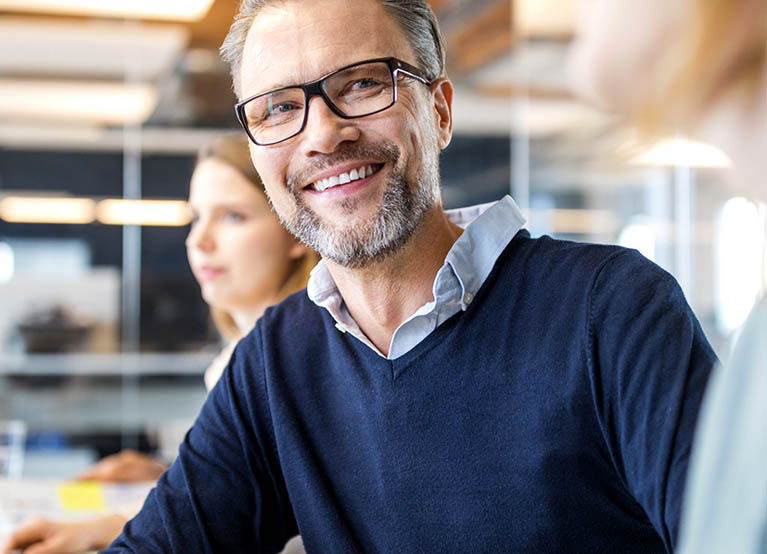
<point x="415" y="18"/>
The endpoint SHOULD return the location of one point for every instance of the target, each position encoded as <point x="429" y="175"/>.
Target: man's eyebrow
<point x="278" y="86"/>
<point x="281" y="85"/>
<point x="274" y="87"/>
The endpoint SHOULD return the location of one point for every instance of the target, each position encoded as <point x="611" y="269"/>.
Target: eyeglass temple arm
<point x="410" y="71"/>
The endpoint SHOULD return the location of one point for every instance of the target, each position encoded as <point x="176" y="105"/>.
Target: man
<point x="443" y="387"/>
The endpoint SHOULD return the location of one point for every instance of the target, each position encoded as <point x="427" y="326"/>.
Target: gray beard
<point x="402" y="210"/>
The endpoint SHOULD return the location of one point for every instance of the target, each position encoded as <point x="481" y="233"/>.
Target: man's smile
<point x="344" y="177"/>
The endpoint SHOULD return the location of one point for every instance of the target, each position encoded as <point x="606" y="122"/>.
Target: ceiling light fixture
<point x="182" y="10"/>
<point x="30" y="209"/>
<point x="105" y="103"/>
<point x="682" y="152"/>
<point x="143" y="212"/>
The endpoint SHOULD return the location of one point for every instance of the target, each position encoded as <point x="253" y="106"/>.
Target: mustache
<point x="381" y="153"/>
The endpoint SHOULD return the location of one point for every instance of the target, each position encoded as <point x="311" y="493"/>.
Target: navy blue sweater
<point x="554" y="415"/>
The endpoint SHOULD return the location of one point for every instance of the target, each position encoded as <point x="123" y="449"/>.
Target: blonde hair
<point x="232" y="149"/>
<point x="722" y="50"/>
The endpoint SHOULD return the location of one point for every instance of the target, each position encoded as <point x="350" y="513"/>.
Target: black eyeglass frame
<point x="316" y="88"/>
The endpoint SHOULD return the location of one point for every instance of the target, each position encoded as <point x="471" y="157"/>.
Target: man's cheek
<point x="285" y="206"/>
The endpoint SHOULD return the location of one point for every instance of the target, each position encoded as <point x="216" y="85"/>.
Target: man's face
<point x="360" y="222"/>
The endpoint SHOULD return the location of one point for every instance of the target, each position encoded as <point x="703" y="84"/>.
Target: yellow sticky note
<point x="82" y="496"/>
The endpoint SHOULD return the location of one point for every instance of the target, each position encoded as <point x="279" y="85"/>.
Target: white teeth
<point x="343" y="178"/>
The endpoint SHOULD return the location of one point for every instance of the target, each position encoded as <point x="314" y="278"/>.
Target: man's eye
<point x="364" y="83"/>
<point x="282" y="108"/>
<point x="363" y="88"/>
<point x="277" y="113"/>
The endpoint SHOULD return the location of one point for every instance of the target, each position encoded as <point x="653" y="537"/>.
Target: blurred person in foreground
<point x="448" y="384"/>
<point x="700" y="67"/>
<point x="244" y="261"/>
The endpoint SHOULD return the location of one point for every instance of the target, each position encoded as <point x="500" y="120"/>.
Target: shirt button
<point x="467" y="298"/>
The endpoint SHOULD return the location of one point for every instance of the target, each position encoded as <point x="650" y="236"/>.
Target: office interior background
<point x="103" y="334"/>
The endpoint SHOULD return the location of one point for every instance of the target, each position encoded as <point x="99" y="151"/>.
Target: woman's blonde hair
<point x="232" y="149"/>
<point x="721" y="50"/>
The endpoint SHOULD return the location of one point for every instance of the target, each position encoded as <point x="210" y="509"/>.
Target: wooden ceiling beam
<point x="482" y="39"/>
<point x="210" y="31"/>
<point x="529" y="91"/>
<point x="437" y="5"/>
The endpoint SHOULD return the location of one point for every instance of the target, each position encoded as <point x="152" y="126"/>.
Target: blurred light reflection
<point x="639" y="234"/>
<point x="6" y="262"/>
<point x="738" y="250"/>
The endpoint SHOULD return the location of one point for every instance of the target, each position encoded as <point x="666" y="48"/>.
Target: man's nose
<point x="325" y="130"/>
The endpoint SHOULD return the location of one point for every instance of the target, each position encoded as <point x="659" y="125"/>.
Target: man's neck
<point x="381" y="296"/>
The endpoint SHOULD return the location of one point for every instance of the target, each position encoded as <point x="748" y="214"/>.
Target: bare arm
<point x="126" y="467"/>
<point x="42" y="536"/>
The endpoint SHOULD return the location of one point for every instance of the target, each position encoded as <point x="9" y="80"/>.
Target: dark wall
<point x="173" y="316"/>
<point x="475" y="170"/>
<point x="100" y="174"/>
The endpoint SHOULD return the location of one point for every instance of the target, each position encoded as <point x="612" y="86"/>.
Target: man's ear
<point x="442" y="90"/>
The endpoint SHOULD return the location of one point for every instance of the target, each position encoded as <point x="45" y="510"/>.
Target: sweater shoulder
<point x="296" y="306"/>
<point x="585" y="254"/>
<point x="296" y="317"/>
<point x="566" y="259"/>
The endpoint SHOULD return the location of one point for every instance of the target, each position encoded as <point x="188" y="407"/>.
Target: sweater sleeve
<point x="223" y="493"/>
<point x="649" y="363"/>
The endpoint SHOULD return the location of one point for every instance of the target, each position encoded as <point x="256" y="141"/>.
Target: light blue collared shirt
<point x="488" y="229"/>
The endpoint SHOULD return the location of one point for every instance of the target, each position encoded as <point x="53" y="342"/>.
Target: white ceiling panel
<point x="183" y="10"/>
<point x="86" y="138"/>
<point x="99" y="49"/>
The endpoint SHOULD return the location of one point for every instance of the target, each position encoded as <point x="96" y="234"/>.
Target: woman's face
<point x="619" y="48"/>
<point x="237" y="249"/>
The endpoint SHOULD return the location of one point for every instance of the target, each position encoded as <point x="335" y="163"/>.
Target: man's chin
<point x="352" y="244"/>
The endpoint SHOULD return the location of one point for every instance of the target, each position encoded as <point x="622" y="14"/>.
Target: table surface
<point x="66" y="500"/>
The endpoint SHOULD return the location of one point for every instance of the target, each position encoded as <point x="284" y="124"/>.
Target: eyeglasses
<point x="356" y="90"/>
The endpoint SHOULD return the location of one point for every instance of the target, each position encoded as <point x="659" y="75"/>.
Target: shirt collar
<point x="488" y="228"/>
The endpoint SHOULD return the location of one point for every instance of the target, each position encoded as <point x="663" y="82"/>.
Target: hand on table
<point x="42" y="536"/>
<point x="126" y="466"/>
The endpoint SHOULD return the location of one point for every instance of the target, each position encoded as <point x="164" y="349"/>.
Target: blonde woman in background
<point x="700" y="67"/>
<point x="244" y="261"/>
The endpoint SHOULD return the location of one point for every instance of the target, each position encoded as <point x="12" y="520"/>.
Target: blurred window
<point x="739" y="267"/>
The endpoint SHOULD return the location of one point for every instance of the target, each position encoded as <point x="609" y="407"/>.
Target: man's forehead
<point x="295" y="42"/>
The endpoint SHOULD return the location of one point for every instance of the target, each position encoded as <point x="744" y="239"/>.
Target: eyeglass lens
<point x="354" y="92"/>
